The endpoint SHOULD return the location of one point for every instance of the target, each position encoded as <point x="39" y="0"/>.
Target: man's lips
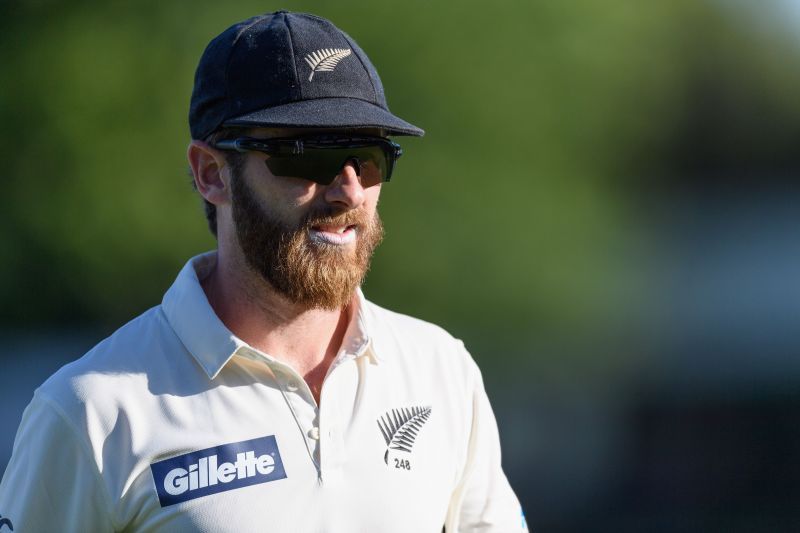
<point x="328" y="234"/>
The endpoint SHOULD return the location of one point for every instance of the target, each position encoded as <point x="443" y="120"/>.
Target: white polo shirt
<point x="174" y="424"/>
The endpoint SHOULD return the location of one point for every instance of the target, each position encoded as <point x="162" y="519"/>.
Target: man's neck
<point x="306" y="339"/>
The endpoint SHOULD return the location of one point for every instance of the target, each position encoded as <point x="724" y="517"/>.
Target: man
<point x="266" y="393"/>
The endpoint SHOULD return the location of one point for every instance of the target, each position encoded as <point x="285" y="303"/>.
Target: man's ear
<point x="207" y="168"/>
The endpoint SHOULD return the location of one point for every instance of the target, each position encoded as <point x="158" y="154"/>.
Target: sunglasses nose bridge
<point x="347" y="188"/>
<point x="340" y="176"/>
<point x="356" y="164"/>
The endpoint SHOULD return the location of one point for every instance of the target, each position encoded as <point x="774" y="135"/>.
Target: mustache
<point x="329" y="217"/>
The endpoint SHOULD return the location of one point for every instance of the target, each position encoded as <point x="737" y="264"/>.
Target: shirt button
<point x="291" y="386"/>
<point x="314" y="433"/>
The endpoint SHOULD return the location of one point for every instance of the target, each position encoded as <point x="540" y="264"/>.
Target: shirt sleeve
<point x="484" y="501"/>
<point x="52" y="482"/>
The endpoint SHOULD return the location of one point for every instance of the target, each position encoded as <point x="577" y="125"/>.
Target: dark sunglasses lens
<point x="322" y="165"/>
<point x="373" y="164"/>
<point x="308" y="165"/>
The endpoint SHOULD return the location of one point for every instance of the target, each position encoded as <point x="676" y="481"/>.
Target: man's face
<point x="312" y="243"/>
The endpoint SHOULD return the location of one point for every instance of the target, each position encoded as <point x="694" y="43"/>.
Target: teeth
<point x="332" y="229"/>
<point x="333" y="235"/>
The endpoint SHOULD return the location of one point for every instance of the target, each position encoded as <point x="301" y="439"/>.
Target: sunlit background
<point x="605" y="208"/>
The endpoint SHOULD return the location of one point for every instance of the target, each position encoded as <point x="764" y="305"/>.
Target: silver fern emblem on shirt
<point x="326" y="59"/>
<point x="401" y="426"/>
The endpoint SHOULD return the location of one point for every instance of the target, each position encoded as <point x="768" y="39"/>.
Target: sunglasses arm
<point x="232" y="145"/>
<point x="244" y="144"/>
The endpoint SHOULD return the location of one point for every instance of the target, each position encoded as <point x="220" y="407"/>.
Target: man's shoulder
<point x="415" y="340"/>
<point x="121" y="361"/>
<point x="386" y="321"/>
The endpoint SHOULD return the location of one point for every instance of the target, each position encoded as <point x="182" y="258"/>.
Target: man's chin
<point x="324" y="276"/>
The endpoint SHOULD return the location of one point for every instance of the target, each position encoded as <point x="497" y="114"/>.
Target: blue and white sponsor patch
<point x="217" y="469"/>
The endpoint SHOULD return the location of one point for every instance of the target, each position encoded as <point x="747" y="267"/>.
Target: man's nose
<point x="346" y="189"/>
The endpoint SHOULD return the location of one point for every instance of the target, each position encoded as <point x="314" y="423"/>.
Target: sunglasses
<point x="320" y="159"/>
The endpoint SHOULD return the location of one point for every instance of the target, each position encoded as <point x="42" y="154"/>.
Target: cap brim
<point x="327" y="113"/>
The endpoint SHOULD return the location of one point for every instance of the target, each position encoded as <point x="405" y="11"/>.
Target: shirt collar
<point x="212" y="344"/>
<point x="194" y="321"/>
<point x="358" y="339"/>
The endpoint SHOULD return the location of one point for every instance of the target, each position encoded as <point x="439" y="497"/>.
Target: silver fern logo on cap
<point x="325" y="59"/>
<point x="401" y="426"/>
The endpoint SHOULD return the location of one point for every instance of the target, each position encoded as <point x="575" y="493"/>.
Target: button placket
<point x="302" y="405"/>
<point x="309" y="420"/>
<point x="330" y="427"/>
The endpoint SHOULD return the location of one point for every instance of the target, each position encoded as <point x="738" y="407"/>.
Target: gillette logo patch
<point x="217" y="469"/>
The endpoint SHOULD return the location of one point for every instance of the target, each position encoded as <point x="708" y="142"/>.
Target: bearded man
<point x="266" y="393"/>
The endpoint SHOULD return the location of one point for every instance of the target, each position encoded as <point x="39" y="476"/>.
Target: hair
<point x="234" y="159"/>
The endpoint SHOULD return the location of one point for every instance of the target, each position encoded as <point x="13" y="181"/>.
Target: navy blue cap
<point x="287" y="69"/>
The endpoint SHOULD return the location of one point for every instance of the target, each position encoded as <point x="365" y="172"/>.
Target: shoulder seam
<point x="86" y="448"/>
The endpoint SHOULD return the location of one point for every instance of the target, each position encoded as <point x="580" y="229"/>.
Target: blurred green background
<point x="604" y="208"/>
